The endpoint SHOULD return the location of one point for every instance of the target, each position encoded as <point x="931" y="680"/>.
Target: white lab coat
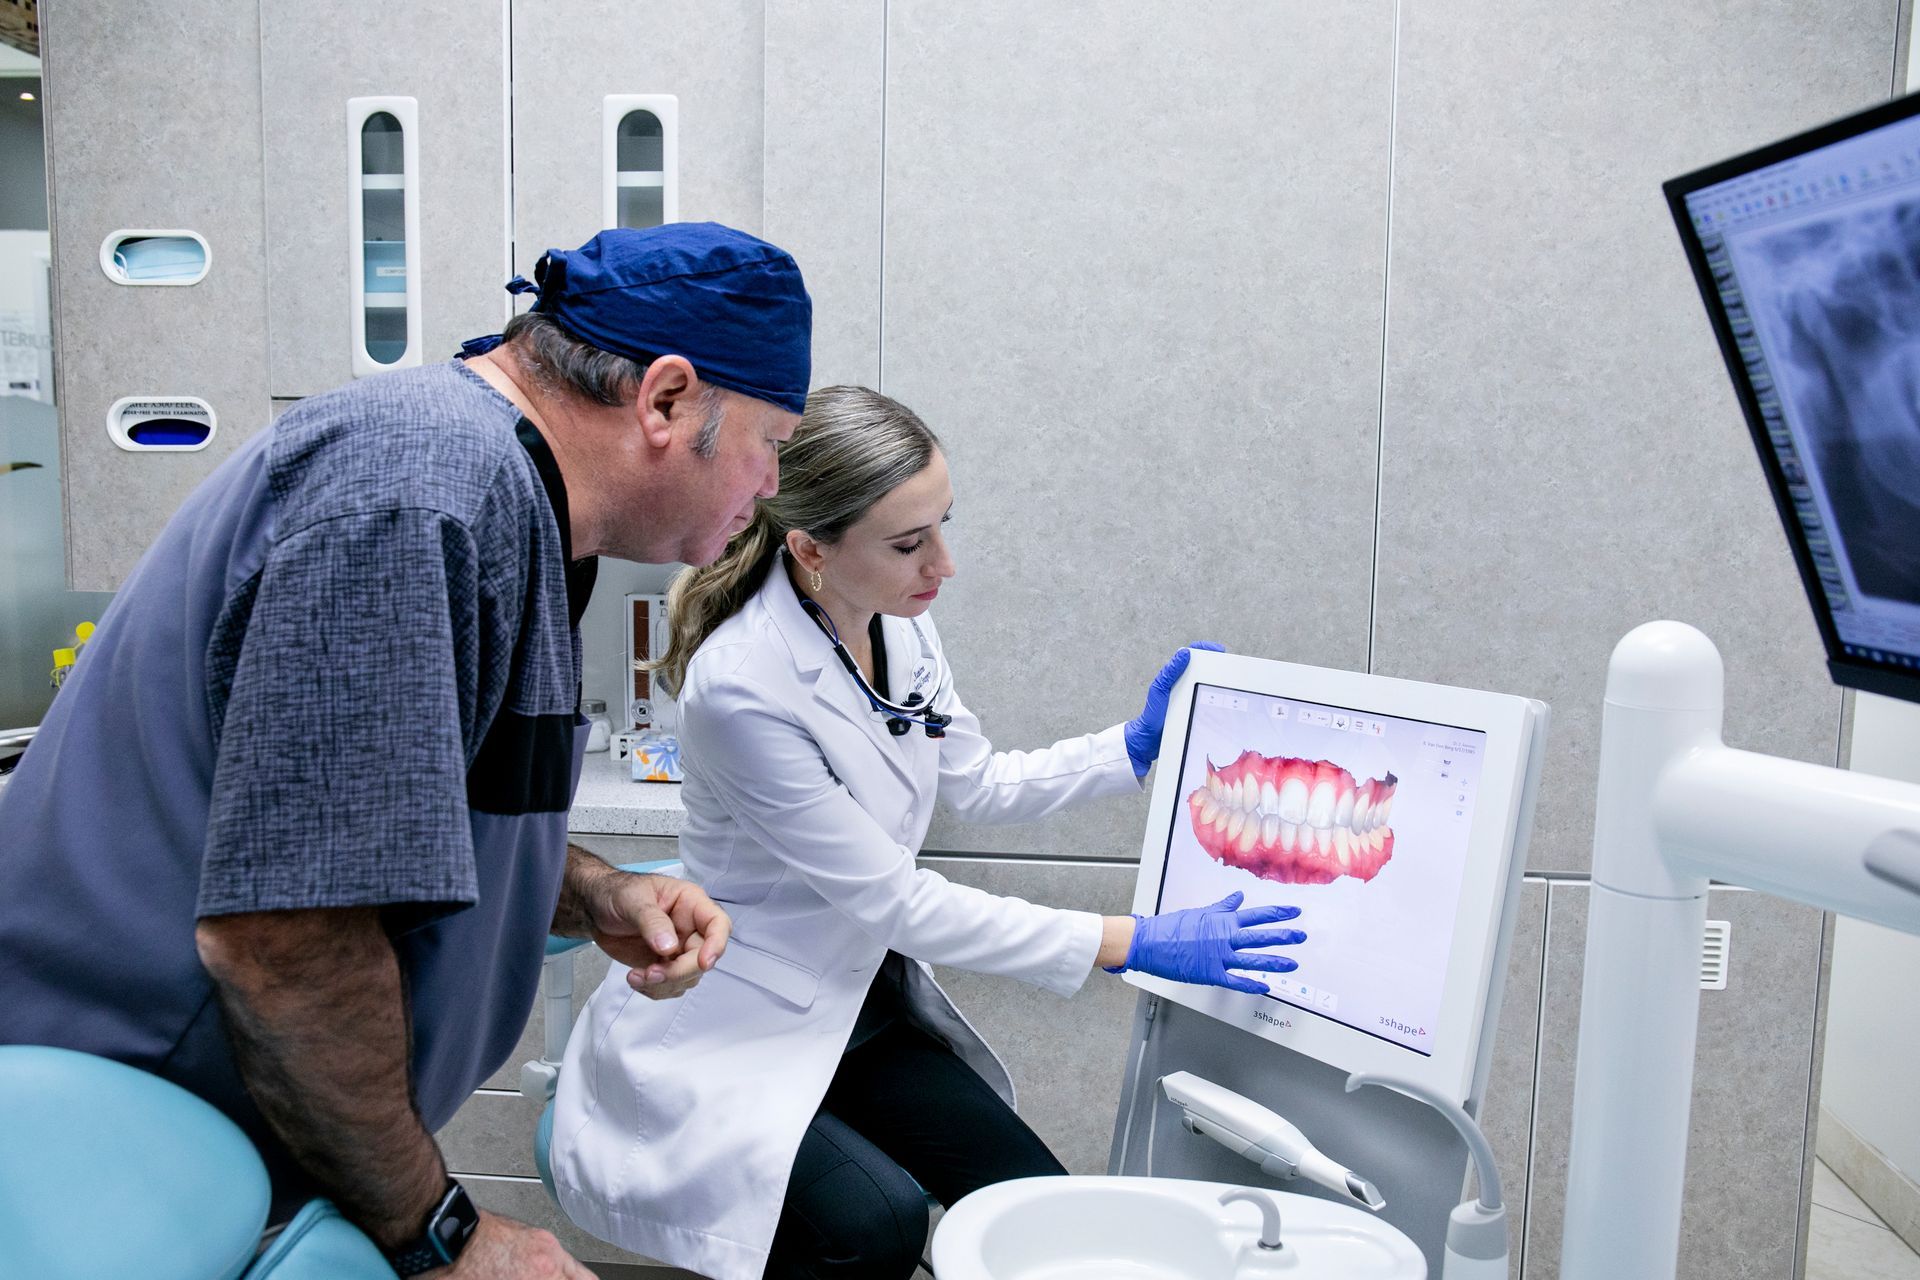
<point x="676" y="1122"/>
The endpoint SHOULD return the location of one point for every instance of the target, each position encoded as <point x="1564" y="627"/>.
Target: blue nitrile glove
<point x="1204" y="944"/>
<point x="1143" y="731"/>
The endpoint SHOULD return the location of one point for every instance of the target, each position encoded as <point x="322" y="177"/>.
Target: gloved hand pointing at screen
<point x="1143" y="731"/>
<point x="1204" y="944"/>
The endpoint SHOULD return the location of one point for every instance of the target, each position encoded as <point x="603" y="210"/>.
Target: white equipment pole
<point x="1678" y="809"/>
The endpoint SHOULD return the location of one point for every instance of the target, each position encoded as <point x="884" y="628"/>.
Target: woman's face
<point x="894" y="558"/>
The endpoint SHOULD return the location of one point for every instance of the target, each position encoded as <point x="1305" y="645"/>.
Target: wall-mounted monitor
<point x="1807" y="253"/>
<point x="1392" y="813"/>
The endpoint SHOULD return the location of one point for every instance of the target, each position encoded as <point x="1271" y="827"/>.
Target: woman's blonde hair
<point x="853" y="447"/>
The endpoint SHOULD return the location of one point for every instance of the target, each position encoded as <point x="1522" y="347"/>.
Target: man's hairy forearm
<point x="587" y="878"/>
<point x="317" y="1016"/>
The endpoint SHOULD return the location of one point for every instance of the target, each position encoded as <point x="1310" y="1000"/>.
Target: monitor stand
<point x="1410" y="1151"/>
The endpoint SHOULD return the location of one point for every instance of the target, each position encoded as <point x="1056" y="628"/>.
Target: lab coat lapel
<point x="833" y="687"/>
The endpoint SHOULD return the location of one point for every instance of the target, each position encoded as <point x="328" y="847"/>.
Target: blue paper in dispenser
<point x="157" y="258"/>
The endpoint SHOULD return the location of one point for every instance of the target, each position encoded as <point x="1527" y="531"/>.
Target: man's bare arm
<point x="583" y="890"/>
<point x="317" y="1018"/>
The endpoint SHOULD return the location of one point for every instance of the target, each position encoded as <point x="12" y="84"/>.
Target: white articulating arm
<point x="1796" y="830"/>
<point x="1678" y="809"/>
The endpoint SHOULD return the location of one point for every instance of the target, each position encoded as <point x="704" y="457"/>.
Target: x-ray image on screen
<point x="1836" y="298"/>
<point x="1361" y="820"/>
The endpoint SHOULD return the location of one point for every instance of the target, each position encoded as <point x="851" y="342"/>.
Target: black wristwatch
<point x="449" y="1227"/>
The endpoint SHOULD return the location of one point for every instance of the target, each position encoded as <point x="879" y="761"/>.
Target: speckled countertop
<point x="610" y="803"/>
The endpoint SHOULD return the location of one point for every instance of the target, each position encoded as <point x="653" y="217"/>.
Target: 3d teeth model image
<point x="1294" y="821"/>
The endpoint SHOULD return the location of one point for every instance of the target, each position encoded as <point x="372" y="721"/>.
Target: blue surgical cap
<point x="734" y="306"/>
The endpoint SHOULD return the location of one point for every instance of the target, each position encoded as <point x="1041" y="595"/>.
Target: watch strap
<point x="445" y="1236"/>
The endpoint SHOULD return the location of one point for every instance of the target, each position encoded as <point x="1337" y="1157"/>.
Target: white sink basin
<point x="1159" y="1229"/>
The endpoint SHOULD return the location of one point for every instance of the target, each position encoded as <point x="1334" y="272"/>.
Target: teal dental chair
<point x="107" y="1171"/>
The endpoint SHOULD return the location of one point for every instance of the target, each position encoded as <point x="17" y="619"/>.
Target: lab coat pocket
<point x="783" y="978"/>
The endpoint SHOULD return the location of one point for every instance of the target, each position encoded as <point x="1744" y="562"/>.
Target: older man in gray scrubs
<point x="294" y="832"/>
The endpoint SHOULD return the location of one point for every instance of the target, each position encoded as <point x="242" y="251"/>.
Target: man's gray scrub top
<point x="346" y="675"/>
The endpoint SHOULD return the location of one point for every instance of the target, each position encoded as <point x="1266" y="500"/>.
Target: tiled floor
<point x="1849" y="1242"/>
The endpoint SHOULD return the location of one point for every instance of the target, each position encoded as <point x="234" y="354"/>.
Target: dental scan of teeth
<point x="1360" y="819"/>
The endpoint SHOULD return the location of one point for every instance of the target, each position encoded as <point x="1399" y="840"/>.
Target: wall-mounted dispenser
<point x="149" y="257"/>
<point x="161" y="424"/>
<point x="383" y="232"/>
<point x="640" y="160"/>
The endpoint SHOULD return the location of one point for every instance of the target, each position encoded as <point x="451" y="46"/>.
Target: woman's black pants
<point x="903" y="1119"/>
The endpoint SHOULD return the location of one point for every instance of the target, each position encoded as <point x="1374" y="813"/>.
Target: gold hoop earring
<point x="813" y="580"/>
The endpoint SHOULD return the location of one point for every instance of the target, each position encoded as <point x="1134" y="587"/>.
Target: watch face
<point x="454" y="1222"/>
<point x="450" y="1226"/>
<point x="452" y="1233"/>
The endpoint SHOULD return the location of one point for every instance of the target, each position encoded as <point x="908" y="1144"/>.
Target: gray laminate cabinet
<point x="825" y="140"/>
<point x="1561" y="455"/>
<point x="567" y="59"/>
<point x="450" y="57"/>
<point x="1141" y="305"/>
<point x="151" y="125"/>
<point x="1749" y="1171"/>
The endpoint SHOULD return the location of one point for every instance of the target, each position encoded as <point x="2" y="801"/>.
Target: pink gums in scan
<point x="1294" y="821"/>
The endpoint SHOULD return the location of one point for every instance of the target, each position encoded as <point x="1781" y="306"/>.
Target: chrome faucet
<point x="1269" y="1212"/>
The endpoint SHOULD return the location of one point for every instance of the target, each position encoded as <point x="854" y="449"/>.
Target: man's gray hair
<point x="565" y="365"/>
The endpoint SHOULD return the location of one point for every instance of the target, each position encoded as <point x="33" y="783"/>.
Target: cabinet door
<point x="152" y="124"/>
<point x="1133" y="275"/>
<point x="706" y="54"/>
<point x="449" y="59"/>
<point x="826" y="124"/>
<point x="1562" y="457"/>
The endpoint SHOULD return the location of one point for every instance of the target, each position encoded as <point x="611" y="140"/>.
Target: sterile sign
<point x="1392" y="813"/>
<point x="23" y="346"/>
<point x="1361" y="820"/>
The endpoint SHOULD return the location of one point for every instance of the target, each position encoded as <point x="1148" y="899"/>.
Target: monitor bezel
<point x="1483" y="918"/>
<point x="1844" y="668"/>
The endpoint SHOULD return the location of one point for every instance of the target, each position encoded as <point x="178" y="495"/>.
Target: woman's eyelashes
<point x="913" y="547"/>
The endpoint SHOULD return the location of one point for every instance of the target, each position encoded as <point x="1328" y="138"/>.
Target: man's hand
<point x="502" y="1249"/>
<point x="667" y="932"/>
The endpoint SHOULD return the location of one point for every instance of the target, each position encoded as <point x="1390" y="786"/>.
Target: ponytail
<point x="701" y="599"/>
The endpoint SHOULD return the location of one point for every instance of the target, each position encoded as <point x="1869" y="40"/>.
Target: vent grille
<point x="1715" y="950"/>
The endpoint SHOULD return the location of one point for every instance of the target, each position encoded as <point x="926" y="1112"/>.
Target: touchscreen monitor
<point x="1358" y="817"/>
<point x="1390" y="812"/>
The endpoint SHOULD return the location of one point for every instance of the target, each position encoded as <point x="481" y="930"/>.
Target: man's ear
<point x="668" y="390"/>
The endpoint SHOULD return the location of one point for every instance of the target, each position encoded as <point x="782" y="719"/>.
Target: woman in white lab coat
<point x="783" y="1116"/>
